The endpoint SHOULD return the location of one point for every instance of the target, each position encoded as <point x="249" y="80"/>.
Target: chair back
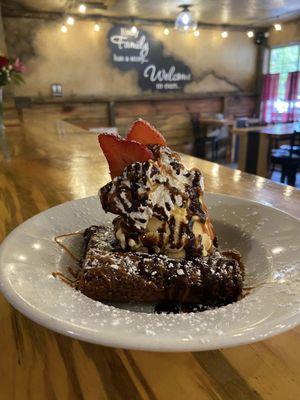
<point x="241" y="122"/>
<point x="294" y="144"/>
<point x="196" y="126"/>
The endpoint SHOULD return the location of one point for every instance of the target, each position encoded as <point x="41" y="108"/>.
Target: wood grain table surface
<point x="272" y="130"/>
<point x="281" y="129"/>
<point x="45" y="162"/>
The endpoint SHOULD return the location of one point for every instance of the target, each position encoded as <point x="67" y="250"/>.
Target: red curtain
<point x="292" y="97"/>
<point x="269" y="96"/>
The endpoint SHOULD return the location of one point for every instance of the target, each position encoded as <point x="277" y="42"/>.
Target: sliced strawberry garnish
<point x="142" y="132"/>
<point x="120" y="152"/>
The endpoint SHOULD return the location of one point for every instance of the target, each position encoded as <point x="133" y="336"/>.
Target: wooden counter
<point x="46" y="162"/>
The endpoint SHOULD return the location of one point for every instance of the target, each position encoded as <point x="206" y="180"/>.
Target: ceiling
<point x="234" y="12"/>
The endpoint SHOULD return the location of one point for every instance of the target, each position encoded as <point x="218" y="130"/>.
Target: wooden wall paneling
<point x="209" y="105"/>
<point x="75" y="110"/>
<point x="175" y="127"/>
<point x="134" y="109"/>
<point x="243" y="106"/>
<point x="171" y="116"/>
<point x="147" y="107"/>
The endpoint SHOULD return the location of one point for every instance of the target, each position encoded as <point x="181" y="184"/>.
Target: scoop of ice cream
<point x="160" y="207"/>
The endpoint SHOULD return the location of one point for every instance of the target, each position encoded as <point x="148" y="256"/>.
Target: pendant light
<point x="185" y="21"/>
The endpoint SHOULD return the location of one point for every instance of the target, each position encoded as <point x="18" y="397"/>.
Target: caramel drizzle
<point x="65" y="247"/>
<point x="60" y="275"/>
<point x="63" y="278"/>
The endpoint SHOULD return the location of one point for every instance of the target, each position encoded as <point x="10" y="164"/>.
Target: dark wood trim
<point x="252" y="152"/>
<point x="111" y="113"/>
<point x="259" y="75"/>
<point x="224" y="105"/>
<point x="145" y="97"/>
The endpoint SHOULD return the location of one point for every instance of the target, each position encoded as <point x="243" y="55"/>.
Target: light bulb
<point x="250" y="34"/>
<point x="64" y="29"/>
<point x="166" y="31"/>
<point x="266" y="34"/>
<point x="96" y="27"/>
<point x="70" y="21"/>
<point x="196" y="33"/>
<point x="277" y="27"/>
<point x="185" y="20"/>
<point x="224" y="34"/>
<point x="82" y="8"/>
<point x="134" y="29"/>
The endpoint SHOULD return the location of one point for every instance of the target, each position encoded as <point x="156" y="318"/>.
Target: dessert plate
<point x="266" y="238"/>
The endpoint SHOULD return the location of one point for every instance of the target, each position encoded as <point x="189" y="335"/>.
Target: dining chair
<point x="200" y="140"/>
<point x="288" y="158"/>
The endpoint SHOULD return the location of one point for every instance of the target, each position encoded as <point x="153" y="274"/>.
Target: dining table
<point x="45" y="161"/>
<point x="255" y="144"/>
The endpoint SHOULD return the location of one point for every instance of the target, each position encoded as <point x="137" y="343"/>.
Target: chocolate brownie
<point x="110" y="274"/>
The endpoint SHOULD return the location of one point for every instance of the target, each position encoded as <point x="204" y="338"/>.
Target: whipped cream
<point x="160" y="207"/>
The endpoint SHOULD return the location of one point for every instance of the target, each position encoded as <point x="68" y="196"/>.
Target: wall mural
<point x="138" y="50"/>
<point x="229" y="68"/>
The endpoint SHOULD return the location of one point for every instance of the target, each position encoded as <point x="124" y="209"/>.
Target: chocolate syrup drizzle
<point x="126" y="189"/>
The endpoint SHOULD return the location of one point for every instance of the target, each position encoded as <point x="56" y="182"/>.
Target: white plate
<point x="267" y="238"/>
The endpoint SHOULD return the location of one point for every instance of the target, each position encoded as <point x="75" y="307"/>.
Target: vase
<point x="1" y="109"/>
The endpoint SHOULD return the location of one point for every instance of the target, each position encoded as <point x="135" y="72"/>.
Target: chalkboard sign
<point x="138" y="50"/>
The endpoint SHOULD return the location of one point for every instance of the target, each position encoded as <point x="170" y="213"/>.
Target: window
<point x="283" y="61"/>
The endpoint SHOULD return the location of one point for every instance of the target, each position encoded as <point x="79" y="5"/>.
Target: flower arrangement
<point x="11" y="71"/>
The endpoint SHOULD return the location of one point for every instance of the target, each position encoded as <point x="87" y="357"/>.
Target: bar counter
<point x="46" y="161"/>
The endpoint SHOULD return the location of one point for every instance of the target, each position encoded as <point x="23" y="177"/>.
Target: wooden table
<point x="215" y="121"/>
<point x="255" y="145"/>
<point x="207" y="123"/>
<point x="46" y="162"/>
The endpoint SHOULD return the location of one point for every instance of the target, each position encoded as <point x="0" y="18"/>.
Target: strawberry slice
<point x="120" y="152"/>
<point x="142" y="132"/>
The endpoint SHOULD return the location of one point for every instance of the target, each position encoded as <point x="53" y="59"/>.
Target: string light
<point x="250" y="34"/>
<point x="134" y="29"/>
<point x="64" y="29"/>
<point x="82" y="8"/>
<point x="196" y="33"/>
<point x="166" y="31"/>
<point x="224" y="34"/>
<point x="70" y="21"/>
<point x="96" y="27"/>
<point x="277" y="27"/>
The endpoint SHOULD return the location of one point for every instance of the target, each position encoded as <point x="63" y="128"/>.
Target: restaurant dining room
<point x="149" y="199"/>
